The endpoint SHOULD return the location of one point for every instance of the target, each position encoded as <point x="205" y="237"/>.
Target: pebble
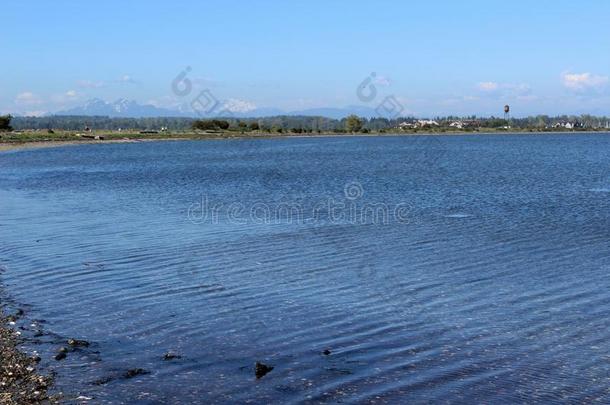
<point x="18" y="379"/>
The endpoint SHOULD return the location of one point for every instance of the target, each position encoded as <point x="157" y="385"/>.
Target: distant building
<point x="568" y="125"/>
<point x="407" y="125"/>
<point x="427" y="123"/>
<point x="463" y="124"/>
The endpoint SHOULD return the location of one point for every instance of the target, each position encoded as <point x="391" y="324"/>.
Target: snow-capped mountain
<point x="120" y="108"/>
<point x="131" y="109"/>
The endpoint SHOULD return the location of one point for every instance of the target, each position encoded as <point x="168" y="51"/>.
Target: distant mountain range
<point x="120" y="108"/>
<point x="123" y="108"/>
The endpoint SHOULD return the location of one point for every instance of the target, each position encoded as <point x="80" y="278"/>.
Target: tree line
<point x="281" y="124"/>
<point x="5" y="123"/>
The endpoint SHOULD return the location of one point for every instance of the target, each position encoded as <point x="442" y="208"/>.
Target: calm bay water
<point x="482" y="274"/>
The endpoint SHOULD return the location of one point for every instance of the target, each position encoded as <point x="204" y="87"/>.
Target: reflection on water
<point x="494" y="288"/>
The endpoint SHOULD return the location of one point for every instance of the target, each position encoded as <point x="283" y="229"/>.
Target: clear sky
<point x="435" y="57"/>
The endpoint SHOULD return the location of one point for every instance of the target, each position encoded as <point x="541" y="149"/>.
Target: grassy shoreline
<point x="35" y="140"/>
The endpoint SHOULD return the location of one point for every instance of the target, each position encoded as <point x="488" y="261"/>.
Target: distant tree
<point x="353" y="123"/>
<point x="254" y="126"/>
<point x="275" y="123"/>
<point x="210" y="125"/>
<point x="5" y="123"/>
<point x="204" y="125"/>
<point x="497" y="123"/>
<point x="541" y="121"/>
<point x="221" y="124"/>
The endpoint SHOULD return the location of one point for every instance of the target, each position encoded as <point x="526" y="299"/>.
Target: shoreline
<point x="40" y="144"/>
<point x="18" y="146"/>
<point x="20" y="382"/>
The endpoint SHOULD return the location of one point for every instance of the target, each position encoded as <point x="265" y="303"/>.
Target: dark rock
<point x="60" y="356"/>
<point x="103" y="380"/>
<point x="326" y="352"/>
<point x="78" y="343"/>
<point x="15" y="317"/>
<point x="36" y="359"/>
<point x="63" y="350"/>
<point x="171" y="356"/>
<point x="261" y="369"/>
<point x="135" y="372"/>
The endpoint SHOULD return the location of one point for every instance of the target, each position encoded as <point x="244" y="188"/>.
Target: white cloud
<point x="382" y="81"/>
<point x="583" y="81"/>
<point x="61" y="100"/>
<point x="98" y="84"/>
<point x="505" y="89"/>
<point x="238" y="106"/>
<point x="458" y="100"/>
<point x="90" y="84"/>
<point x="126" y="79"/>
<point x="488" y="86"/>
<point x="27" y="98"/>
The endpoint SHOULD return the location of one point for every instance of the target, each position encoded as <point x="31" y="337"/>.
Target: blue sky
<point x="434" y="57"/>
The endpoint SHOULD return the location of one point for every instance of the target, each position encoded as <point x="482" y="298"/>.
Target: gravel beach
<point x="19" y="381"/>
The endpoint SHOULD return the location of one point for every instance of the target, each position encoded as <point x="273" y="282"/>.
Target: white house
<point x="461" y="124"/>
<point x="457" y="124"/>
<point x="407" y="125"/>
<point x="566" y="125"/>
<point x="430" y="123"/>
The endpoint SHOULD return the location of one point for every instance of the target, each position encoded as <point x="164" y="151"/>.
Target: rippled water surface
<point x="482" y="277"/>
